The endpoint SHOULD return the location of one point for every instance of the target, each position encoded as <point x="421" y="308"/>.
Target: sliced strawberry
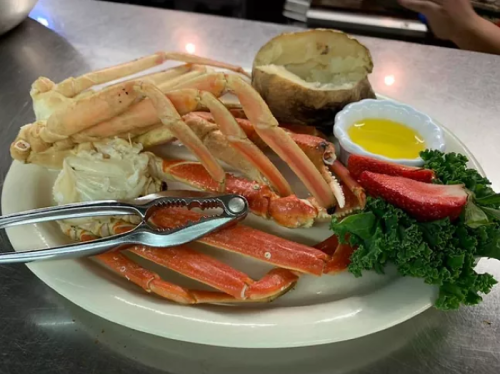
<point x="424" y="201"/>
<point x="358" y="164"/>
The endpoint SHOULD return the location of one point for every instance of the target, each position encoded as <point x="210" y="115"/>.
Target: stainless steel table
<point x="40" y="332"/>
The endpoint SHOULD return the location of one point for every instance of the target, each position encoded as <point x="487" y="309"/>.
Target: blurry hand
<point x="448" y="19"/>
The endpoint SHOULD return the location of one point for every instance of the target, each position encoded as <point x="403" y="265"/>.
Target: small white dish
<point x="432" y="134"/>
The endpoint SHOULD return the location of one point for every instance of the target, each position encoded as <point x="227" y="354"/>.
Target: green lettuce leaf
<point x="362" y="225"/>
<point x="475" y="216"/>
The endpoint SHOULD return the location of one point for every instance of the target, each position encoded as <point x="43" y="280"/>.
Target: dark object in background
<point x="392" y="7"/>
<point x="384" y="18"/>
<point x="380" y="7"/>
<point x="266" y="10"/>
<point x="487" y="5"/>
<point x="259" y="10"/>
<point x="379" y="18"/>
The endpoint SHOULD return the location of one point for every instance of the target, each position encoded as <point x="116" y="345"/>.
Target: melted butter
<point x="387" y="138"/>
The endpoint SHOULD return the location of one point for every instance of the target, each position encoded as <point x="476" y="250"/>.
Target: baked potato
<point x="307" y="77"/>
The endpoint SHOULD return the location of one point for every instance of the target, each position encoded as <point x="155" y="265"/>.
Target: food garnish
<point x="442" y="252"/>
<point x="387" y="138"/>
<point x="358" y="163"/>
<point x="424" y="201"/>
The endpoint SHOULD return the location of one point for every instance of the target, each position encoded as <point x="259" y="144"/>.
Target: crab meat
<point x="108" y="170"/>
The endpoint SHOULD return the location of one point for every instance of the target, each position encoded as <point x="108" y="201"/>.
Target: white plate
<point x="317" y="311"/>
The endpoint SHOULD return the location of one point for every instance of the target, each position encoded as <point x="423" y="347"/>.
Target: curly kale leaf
<point x="440" y="252"/>
<point x="451" y="168"/>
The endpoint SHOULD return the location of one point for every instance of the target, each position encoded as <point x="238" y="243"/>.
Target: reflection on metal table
<point x="43" y="333"/>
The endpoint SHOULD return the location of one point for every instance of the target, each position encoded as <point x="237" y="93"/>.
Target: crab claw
<point x="355" y="197"/>
<point x="349" y="193"/>
<point x="322" y="154"/>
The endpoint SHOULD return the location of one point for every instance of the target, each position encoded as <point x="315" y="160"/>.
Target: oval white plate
<point x="317" y="311"/>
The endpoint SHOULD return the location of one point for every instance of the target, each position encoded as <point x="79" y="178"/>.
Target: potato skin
<point x="292" y="103"/>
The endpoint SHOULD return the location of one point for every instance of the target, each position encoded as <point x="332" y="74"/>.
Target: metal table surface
<point x="40" y="332"/>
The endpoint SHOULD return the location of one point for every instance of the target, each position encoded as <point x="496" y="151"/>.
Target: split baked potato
<point x="307" y="77"/>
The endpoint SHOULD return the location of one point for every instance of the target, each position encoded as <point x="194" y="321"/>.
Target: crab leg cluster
<point x="183" y="103"/>
<point x="292" y="259"/>
<point x="132" y="108"/>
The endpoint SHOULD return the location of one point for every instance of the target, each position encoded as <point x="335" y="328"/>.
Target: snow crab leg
<point x="196" y="265"/>
<point x="187" y="101"/>
<point x="131" y="109"/>
<point x="287" y="211"/>
<point x="63" y="126"/>
<point x="267" y="128"/>
<point x="48" y="96"/>
<point x="86" y="112"/>
<point x="349" y="194"/>
<point x="291" y="258"/>
<point x="103" y="114"/>
<point x="171" y="119"/>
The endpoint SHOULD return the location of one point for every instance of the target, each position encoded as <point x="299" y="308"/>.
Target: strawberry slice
<point x="357" y="164"/>
<point x="424" y="201"/>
